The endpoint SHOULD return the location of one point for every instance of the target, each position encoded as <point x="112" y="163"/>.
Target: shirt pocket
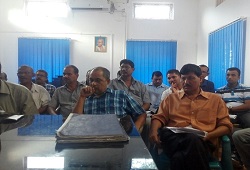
<point x="207" y="115"/>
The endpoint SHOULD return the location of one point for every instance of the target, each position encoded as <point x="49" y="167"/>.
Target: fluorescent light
<point x="45" y="162"/>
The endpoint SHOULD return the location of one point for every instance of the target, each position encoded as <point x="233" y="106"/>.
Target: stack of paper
<point x="91" y="128"/>
<point x="187" y="130"/>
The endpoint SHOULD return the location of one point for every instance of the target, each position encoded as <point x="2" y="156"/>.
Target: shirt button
<point x="192" y="112"/>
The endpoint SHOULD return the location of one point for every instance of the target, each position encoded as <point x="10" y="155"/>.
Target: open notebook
<point x="82" y="128"/>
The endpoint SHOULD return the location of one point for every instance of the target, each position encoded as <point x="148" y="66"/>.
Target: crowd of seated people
<point x="74" y="96"/>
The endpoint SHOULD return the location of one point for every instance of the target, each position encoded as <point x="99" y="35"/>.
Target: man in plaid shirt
<point x="98" y="99"/>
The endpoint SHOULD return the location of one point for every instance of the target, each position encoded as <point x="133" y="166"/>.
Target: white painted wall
<point x="212" y="18"/>
<point x="82" y="26"/>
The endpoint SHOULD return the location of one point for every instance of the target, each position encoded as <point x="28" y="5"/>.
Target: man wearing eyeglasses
<point x="42" y="79"/>
<point x="40" y="95"/>
<point x="97" y="98"/>
<point x="206" y="85"/>
<point x="132" y="87"/>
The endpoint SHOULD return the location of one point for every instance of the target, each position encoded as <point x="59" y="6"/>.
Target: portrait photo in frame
<point x="101" y="44"/>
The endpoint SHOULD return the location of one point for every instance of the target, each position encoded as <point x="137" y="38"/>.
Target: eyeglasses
<point x="97" y="80"/>
<point x="24" y="72"/>
<point x="125" y="67"/>
<point x="40" y="75"/>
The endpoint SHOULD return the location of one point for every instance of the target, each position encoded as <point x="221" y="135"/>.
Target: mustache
<point x="187" y="85"/>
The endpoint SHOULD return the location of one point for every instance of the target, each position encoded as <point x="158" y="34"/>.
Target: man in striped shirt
<point x="237" y="97"/>
<point x="98" y="99"/>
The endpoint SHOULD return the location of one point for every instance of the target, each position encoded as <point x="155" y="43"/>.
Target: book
<point x="187" y="129"/>
<point x="83" y="128"/>
<point x="10" y="118"/>
<point x="233" y="116"/>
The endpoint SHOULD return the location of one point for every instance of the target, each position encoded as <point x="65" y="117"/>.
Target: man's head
<point x="25" y="74"/>
<point x="41" y="77"/>
<point x="99" y="79"/>
<point x="174" y="78"/>
<point x="233" y="75"/>
<point x="87" y="77"/>
<point x="100" y="42"/>
<point x="157" y="78"/>
<point x="3" y="76"/>
<point x="204" y="71"/>
<point x="191" y="78"/>
<point x="70" y="74"/>
<point x="127" y="67"/>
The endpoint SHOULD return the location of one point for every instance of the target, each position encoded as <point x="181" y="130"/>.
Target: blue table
<point x="31" y="142"/>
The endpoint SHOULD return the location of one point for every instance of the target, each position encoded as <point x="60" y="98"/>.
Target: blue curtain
<point x="51" y="55"/>
<point x="150" y="56"/>
<point x="226" y="49"/>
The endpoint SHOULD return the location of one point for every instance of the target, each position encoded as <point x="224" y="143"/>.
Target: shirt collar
<point x="3" y="88"/>
<point x="238" y="86"/>
<point x="202" y="93"/>
<point x="34" y="88"/>
<point x="132" y="79"/>
<point x="151" y="84"/>
<point x="108" y="90"/>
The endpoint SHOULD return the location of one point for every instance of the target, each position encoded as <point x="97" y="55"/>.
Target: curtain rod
<point x="241" y="18"/>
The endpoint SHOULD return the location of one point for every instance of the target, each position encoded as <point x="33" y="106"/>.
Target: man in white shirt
<point x="40" y="94"/>
<point x="174" y="79"/>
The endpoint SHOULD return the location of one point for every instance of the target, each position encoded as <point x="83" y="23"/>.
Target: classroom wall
<point x="82" y="26"/>
<point x="212" y="18"/>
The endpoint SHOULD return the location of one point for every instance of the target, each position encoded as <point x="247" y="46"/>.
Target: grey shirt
<point x="65" y="99"/>
<point x="16" y="99"/>
<point x="137" y="89"/>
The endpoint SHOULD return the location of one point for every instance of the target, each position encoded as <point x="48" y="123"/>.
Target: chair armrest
<point x="226" y="160"/>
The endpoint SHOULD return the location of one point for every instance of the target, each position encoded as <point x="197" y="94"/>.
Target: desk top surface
<point x="31" y="142"/>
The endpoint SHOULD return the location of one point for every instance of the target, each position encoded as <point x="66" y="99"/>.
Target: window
<point x="154" y="11"/>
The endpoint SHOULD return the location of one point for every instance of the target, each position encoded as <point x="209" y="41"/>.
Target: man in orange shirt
<point x="193" y="108"/>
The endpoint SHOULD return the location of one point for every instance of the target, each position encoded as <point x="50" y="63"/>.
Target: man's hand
<point x="87" y="91"/>
<point x="154" y="138"/>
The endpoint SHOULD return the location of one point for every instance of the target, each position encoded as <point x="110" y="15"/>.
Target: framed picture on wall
<point x="101" y="44"/>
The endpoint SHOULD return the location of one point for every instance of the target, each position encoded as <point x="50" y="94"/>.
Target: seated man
<point x="42" y="79"/>
<point x="155" y="89"/>
<point x="174" y="79"/>
<point x="206" y="85"/>
<point x="98" y="99"/>
<point x="16" y="99"/>
<point x="236" y="97"/>
<point x="39" y="93"/>
<point x="132" y="87"/>
<point x="195" y="108"/>
<point x="241" y="140"/>
<point x="65" y="97"/>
